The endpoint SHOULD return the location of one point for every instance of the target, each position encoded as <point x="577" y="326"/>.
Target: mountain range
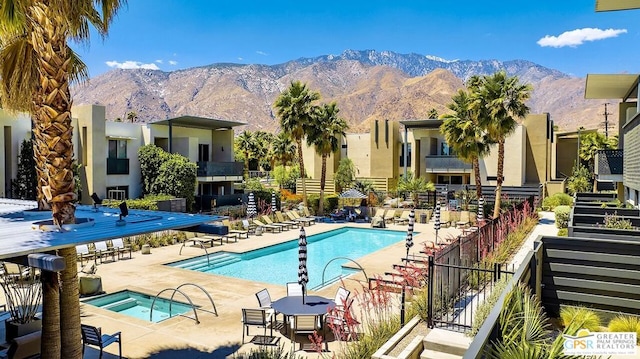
<point x="366" y="85"/>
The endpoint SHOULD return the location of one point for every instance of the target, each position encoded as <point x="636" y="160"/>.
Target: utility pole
<point x="606" y="120"/>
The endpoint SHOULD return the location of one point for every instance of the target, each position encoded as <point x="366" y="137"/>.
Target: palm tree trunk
<point x="323" y="178"/>
<point x="499" y="179"/>
<point x="246" y="165"/>
<point x="54" y="133"/>
<point x="476" y="173"/>
<point x="302" y="172"/>
<point x="50" y="344"/>
<point x="70" y="306"/>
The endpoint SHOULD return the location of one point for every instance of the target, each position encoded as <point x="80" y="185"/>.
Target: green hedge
<point x="330" y="202"/>
<point x="558" y="199"/>
<point x="562" y="216"/>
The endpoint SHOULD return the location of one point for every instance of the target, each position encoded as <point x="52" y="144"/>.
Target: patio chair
<point x="389" y="215"/>
<point x="465" y="219"/>
<point x="342" y="294"/>
<point x="83" y="252"/>
<point x="268" y="221"/>
<point x="239" y="232"/>
<point x="264" y="301"/>
<point x="120" y="248"/>
<point x="255" y="317"/>
<point x="280" y="219"/>
<point x="342" y="322"/>
<point x="294" y="289"/>
<point x="267" y="227"/>
<point x="102" y="250"/>
<point x="404" y="218"/>
<point x="305" y="324"/>
<point x="249" y="227"/>
<point x="93" y="336"/>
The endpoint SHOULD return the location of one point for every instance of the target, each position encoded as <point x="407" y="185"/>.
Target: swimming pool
<point x="278" y="264"/>
<point x="138" y="305"/>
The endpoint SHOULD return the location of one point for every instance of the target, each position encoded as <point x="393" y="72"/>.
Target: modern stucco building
<point x="108" y="151"/>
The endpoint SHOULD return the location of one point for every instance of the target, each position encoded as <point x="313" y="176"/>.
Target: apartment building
<point x="108" y="151"/>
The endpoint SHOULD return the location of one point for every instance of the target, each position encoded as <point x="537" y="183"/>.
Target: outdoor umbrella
<point x="303" y="275"/>
<point x="252" y="211"/>
<point x="480" y="210"/>
<point x="352" y="193"/>
<point x="436" y="225"/>
<point x="412" y="220"/>
<point x="274" y="206"/>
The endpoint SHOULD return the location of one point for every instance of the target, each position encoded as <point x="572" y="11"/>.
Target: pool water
<point x="278" y="264"/>
<point x="138" y="305"/>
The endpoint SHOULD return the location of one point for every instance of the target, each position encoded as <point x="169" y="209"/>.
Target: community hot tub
<point x="138" y="305"/>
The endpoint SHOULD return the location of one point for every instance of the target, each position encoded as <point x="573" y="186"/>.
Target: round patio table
<point x="313" y="305"/>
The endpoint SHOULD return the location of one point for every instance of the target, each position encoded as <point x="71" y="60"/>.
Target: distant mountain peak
<point x="440" y="59"/>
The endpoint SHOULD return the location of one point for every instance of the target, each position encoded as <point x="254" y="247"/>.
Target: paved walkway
<point x="546" y="227"/>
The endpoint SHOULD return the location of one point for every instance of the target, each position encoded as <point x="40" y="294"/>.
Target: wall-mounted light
<point x="222" y="148"/>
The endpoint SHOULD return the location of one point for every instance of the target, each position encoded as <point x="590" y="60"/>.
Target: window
<point x="408" y="156"/>
<point x="203" y="152"/>
<point x="117" y="149"/>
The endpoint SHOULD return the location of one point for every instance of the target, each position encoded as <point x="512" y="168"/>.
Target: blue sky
<point x="567" y="35"/>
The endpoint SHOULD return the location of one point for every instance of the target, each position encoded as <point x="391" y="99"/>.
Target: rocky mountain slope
<point x="366" y="85"/>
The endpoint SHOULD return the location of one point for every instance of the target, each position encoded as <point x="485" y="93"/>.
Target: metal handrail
<point x="171" y="301"/>
<point x="215" y="311"/>
<point x="347" y="258"/>
<point x="201" y="245"/>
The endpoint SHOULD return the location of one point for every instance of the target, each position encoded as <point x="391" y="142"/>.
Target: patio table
<point x="313" y="305"/>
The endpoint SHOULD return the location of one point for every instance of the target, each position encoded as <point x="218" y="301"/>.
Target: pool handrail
<point x="171" y="301"/>
<point x="201" y="245"/>
<point x="333" y="259"/>
<point x="215" y="311"/>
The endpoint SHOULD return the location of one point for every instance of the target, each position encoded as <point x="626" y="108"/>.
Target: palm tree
<point x="500" y="101"/>
<point x="246" y="143"/>
<point x="325" y="134"/>
<point x="132" y="116"/>
<point x="296" y="109"/>
<point x="463" y="132"/>
<point x="283" y="149"/>
<point x="414" y="185"/>
<point x="263" y="142"/>
<point x="36" y="68"/>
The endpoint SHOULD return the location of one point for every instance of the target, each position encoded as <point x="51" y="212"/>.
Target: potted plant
<point x="23" y="291"/>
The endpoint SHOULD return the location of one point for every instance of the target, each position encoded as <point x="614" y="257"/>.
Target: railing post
<point x="430" y="270"/>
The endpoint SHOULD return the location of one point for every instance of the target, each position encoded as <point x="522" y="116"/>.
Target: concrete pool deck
<point x="217" y="337"/>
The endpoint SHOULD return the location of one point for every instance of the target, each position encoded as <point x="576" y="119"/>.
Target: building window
<point x="203" y="152"/>
<point x="408" y="156"/>
<point x="446" y="150"/>
<point x="118" y="193"/>
<point x="117" y="149"/>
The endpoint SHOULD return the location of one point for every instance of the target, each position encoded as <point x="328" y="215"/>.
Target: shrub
<point x="580" y="316"/>
<point x="613" y="221"/>
<point x="557" y="199"/>
<point x="563" y="232"/>
<point x="485" y="308"/>
<point x="626" y="323"/>
<point x="562" y="216"/>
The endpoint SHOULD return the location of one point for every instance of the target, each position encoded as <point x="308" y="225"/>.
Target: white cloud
<point x="577" y="37"/>
<point x="240" y="59"/>
<point x="159" y="61"/>
<point x="129" y="65"/>
<point x="262" y="53"/>
<point x="171" y="62"/>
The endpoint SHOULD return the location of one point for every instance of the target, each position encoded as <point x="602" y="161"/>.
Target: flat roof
<point x="611" y="5"/>
<point x="611" y="86"/>
<point x="21" y="233"/>
<point x="199" y="122"/>
<point x="429" y="123"/>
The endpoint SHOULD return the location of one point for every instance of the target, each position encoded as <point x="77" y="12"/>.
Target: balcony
<point x="446" y="164"/>
<point x="117" y="166"/>
<point x="609" y="165"/>
<point x="223" y="170"/>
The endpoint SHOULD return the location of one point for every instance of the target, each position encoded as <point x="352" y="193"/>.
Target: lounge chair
<point x="206" y="238"/>
<point x="239" y="232"/>
<point x="305" y="220"/>
<point x="404" y="218"/>
<point x="83" y="252"/>
<point x="249" y="227"/>
<point x="445" y="218"/>
<point x="280" y="219"/>
<point x="118" y="245"/>
<point x="267" y="227"/>
<point x="465" y="219"/>
<point x="268" y="221"/>
<point x="379" y="213"/>
<point x="390" y="215"/>
<point x="102" y="250"/>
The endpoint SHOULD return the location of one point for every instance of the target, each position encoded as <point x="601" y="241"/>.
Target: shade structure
<point x="436" y="224"/>
<point x="274" y="205"/>
<point x="303" y="275"/>
<point x="352" y="193"/>
<point x="252" y="210"/>
<point x="412" y="220"/>
<point x="480" y="209"/>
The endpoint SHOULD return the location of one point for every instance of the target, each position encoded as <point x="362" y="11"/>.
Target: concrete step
<point x="447" y="342"/>
<point x="432" y="354"/>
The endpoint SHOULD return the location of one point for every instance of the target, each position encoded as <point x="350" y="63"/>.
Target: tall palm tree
<point x="463" y="133"/>
<point x="132" y="116"/>
<point x="246" y="143"/>
<point x="36" y="68"/>
<point x="501" y="102"/>
<point x="295" y="107"/>
<point x="283" y="149"/>
<point x="324" y="134"/>
<point x="263" y="142"/>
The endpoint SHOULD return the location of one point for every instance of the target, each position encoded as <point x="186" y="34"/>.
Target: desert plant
<point x="626" y="323"/>
<point x="562" y="216"/>
<point x="485" y="308"/>
<point x="265" y="352"/>
<point x="580" y="316"/>
<point x="563" y="232"/>
<point x="580" y="180"/>
<point x="616" y="222"/>
<point x="557" y="199"/>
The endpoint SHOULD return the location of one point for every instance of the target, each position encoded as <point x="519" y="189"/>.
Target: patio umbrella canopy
<point x="436" y="225"/>
<point x="352" y="193"/>
<point x="480" y="209"/>
<point x="412" y="220"/>
<point x="303" y="275"/>
<point x="274" y="206"/>
<point x="252" y="211"/>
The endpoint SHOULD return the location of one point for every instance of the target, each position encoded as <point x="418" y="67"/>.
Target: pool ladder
<point x="193" y="307"/>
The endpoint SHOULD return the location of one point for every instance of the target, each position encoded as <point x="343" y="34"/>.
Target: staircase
<point x="215" y="260"/>
<point x="445" y="344"/>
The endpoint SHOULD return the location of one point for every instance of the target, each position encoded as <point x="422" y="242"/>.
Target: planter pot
<point x="146" y="249"/>
<point x="15" y="330"/>
<point x="258" y="231"/>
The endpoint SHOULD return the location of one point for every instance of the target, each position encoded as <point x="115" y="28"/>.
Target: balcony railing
<point x="215" y="169"/>
<point x="117" y="166"/>
<point x="609" y="162"/>
<point x="436" y="164"/>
